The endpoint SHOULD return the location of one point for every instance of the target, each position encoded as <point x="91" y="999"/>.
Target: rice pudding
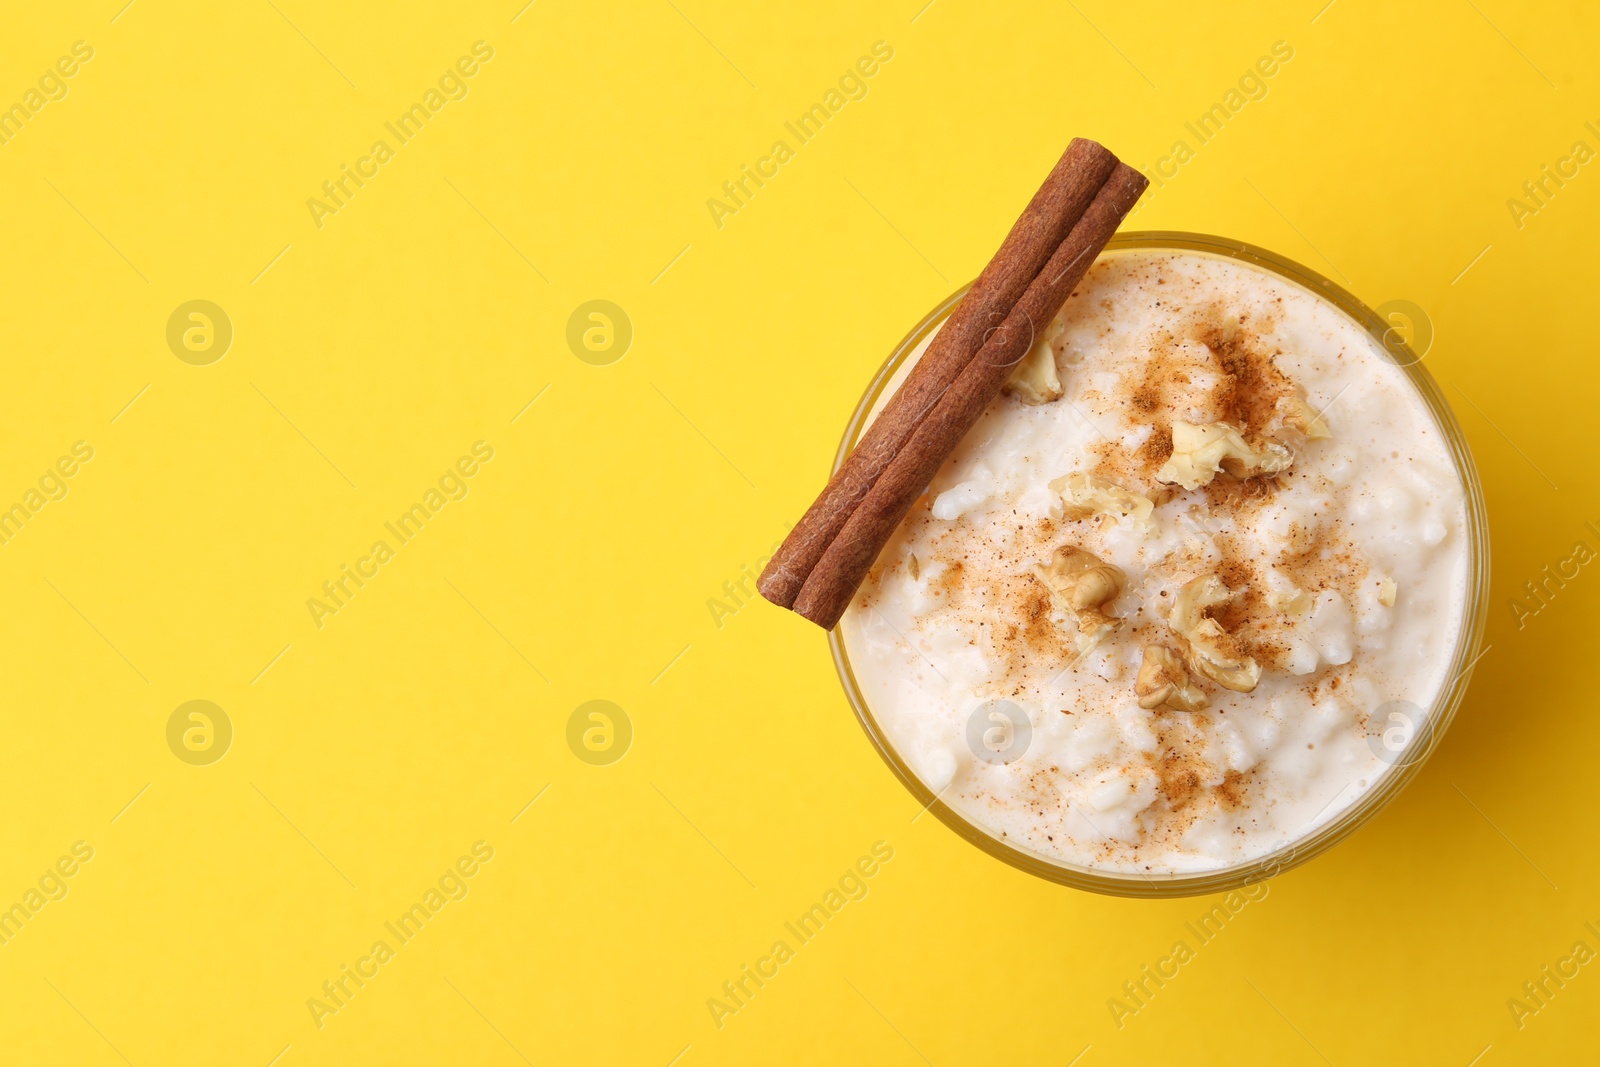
<point x="1150" y="613"/>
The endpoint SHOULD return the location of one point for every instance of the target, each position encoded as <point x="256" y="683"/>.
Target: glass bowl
<point x="1437" y="715"/>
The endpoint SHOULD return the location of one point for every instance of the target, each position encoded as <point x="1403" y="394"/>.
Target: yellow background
<point x="370" y="753"/>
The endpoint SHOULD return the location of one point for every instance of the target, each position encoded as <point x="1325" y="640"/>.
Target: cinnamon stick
<point x="838" y="574"/>
<point x="1043" y="225"/>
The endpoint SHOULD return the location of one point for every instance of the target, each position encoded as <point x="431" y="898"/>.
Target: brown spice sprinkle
<point x="1157" y="448"/>
<point x="1231" y="793"/>
<point x="1214" y="345"/>
<point x="1189" y="786"/>
<point x="1180" y="780"/>
<point x="1240" y="572"/>
<point x="1327" y="562"/>
<point x="1252" y="382"/>
<point x="1239" y="494"/>
<point x="950" y="581"/>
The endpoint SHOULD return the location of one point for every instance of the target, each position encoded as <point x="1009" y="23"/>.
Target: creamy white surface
<point x="1090" y="788"/>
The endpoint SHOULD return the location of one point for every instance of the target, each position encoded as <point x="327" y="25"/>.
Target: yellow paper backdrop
<point x="378" y="339"/>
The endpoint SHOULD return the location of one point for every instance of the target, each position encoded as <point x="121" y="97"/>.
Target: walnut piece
<point x="1082" y="495"/>
<point x="1035" y="380"/>
<point x="1212" y="651"/>
<point x="1230" y="328"/>
<point x="1283" y="595"/>
<point x="1198" y="453"/>
<point x="1082" y="585"/>
<point x="1295" y="411"/>
<point x="1163" y="682"/>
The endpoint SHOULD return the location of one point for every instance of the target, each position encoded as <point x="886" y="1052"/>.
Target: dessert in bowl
<point x="1194" y="596"/>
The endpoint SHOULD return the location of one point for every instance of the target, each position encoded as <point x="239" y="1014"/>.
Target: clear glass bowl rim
<point x="1439" y="714"/>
